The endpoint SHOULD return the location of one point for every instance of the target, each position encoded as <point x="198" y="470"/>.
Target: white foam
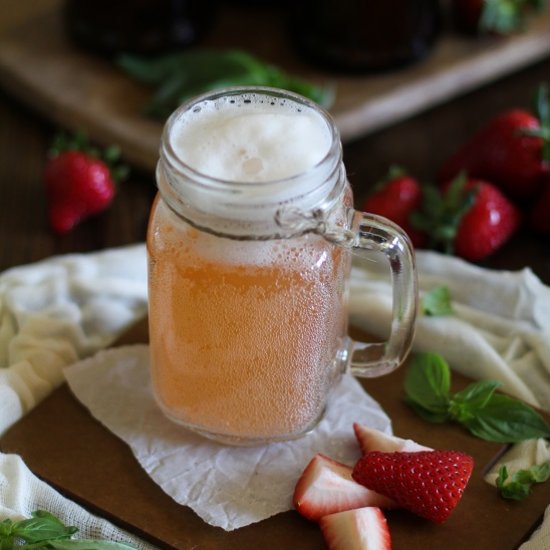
<point x="250" y="138"/>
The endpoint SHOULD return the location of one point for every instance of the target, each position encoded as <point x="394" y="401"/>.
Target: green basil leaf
<point x="42" y="526"/>
<point x="6" y="528"/>
<point x="428" y="415"/>
<point x="511" y="489"/>
<point x="540" y="472"/>
<point x="436" y="302"/>
<point x="477" y="394"/>
<point x="176" y="77"/>
<point x="506" y="420"/>
<point x="427" y="383"/>
<point x="520" y="485"/>
<point x="466" y="403"/>
<point x="87" y="545"/>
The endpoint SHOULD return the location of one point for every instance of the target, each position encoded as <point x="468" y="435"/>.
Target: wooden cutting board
<point x="79" y="91"/>
<point x="61" y="442"/>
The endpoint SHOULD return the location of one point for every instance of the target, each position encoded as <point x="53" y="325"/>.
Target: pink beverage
<point x="258" y="327"/>
<point x="247" y="288"/>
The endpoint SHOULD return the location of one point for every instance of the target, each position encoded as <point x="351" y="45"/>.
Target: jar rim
<point x="231" y="187"/>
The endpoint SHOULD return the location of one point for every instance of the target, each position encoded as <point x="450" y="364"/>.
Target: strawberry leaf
<point x="79" y="142"/>
<point x="441" y="212"/>
<point x="542" y="110"/>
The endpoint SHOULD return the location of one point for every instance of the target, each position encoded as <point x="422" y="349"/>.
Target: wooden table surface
<point x="420" y="144"/>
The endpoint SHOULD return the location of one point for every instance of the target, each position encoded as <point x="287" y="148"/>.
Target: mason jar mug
<point x="249" y="244"/>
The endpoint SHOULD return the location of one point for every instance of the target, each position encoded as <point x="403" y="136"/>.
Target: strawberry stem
<point x="441" y="212"/>
<point x="542" y="111"/>
<point x="79" y="142"/>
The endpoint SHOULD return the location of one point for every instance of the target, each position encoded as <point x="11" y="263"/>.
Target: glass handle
<point x="372" y="233"/>
<point x="363" y="235"/>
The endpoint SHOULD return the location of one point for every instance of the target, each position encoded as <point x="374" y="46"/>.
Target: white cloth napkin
<point x="57" y="311"/>
<point x="228" y="487"/>
<point x="500" y="329"/>
<point x="54" y="312"/>
<point x="22" y="493"/>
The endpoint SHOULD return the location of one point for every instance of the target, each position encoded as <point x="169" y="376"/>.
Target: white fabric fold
<point x="500" y="328"/>
<point x="22" y="493"/>
<point x="59" y="310"/>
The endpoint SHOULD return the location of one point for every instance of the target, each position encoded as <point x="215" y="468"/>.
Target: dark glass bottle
<point x="364" y="35"/>
<point x="137" y="26"/>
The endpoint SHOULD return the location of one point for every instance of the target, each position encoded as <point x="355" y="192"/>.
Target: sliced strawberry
<point x="326" y="487"/>
<point x="427" y="483"/>
<point x="360" y="529"/>
<point x="374" y="440"/>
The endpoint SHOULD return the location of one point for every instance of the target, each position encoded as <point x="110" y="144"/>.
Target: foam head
<point x="250" y="138"/>
<point x="238" y="156"/>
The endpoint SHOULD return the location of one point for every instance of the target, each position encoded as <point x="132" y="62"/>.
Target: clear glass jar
<point x="248" y="288"/>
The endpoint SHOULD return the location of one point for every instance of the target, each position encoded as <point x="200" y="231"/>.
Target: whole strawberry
<point x="494" y="16"/>
<point x="511" y="151"/>
<point x="427" y="483"/>
<point x="396" y="198"/>
<point x="78" y="183"/>
<point x="487" y="225"/>
<point x="468" y="217"/>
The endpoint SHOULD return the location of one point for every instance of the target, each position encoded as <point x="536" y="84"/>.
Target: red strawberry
<point x="427" y="483"/>
<point x="78" y="183"/>
<point x="469" y="217"/>
<point x="360" y="529"/>
<point x="512" y="151"/>
<point x="374" y="440"/>
<point x="497" y="16"/>
<point x="396" y="198"/>
<point x="77" y="186"/>
<point x="487" y="225"/>
<point x="326" y="487"/>
<point x="539" y="216"/>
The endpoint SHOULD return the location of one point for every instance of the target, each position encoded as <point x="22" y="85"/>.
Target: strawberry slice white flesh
<point x="326" y="487"/>
<point x="360" y="529"/>
<point x="374" y="440"/>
